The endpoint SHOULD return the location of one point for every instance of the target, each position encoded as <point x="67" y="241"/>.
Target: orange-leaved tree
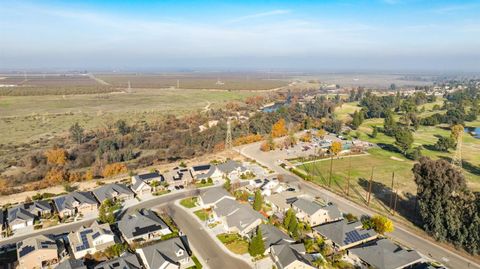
<point x="114" y="169"/>
<point x="56" y="156"/>
<point x="279" y="129"/>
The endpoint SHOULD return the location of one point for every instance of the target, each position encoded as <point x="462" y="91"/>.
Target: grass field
<point x="26" y="118"/>
<point x="385" y="161"/>
<point x="234" y="243"/>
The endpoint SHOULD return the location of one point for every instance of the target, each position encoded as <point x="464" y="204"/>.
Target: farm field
<point x="24" y="118"/>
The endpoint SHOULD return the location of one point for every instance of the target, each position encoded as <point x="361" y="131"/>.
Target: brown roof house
<point x="40" y="252"/>
<point x="89" y="240"/>
<point x="76" y="203"/>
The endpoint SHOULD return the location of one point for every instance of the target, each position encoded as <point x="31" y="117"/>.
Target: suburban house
<point x="75" y="203"/>
<point x="71" y="264"/>
<point x="24" y="215"/>
<point x="18" y="218"/>
<point x="40" y="252"/>
<point x="232" y="169"/>
<point x="178" y="177"/>
<point x="291" y="256"/>
<point x="281" y="202"/>
<point x="313" y="213"/>
<point x="384" y="254"/>
<point x="273" y="236"/>
<point x="89" y="240"/>
<point x="143" y="225"/>
<point x="236" y="217"/>
<point x="205" y="172"/>
<point x="125" y="261"/>
<point x="143" y="183"/>
<point x="212" y="196"/>
<point x="114" y="192"/>
<point x="171" y="253"/>
<point x="344" y="234"/>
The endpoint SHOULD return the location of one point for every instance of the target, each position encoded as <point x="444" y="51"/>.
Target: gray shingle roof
<point x="66" y="201"/>
<point x="384" y="254"/>
<point x="208" y="174"/>
<point x="273" y="236"/>
<point x="19" y="213"/>
<point x="172" y="251"/>
<point x="225" y="207"/>
<point x="140" y="223"/>
<point x="230" y="166"/>
<point x="343" y="233"/>
<point x="71" y="264"/>
<point x="213" y="195"/>
<point x="35" y="243"/>
<point x="125" y="261"/>
<point x="333" y="211"/>
<point x="307" y="206"/>
<point x="288" y="254"/>
<point x="243" y="217"/>
<point x="149" y="176"/>
<point x="110" y="191"/>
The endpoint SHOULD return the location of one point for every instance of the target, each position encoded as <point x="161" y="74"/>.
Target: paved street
<point x="205" y="246"/>
<point x="402" y="234"/>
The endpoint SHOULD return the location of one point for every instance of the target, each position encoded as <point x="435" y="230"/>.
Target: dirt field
<point x="367" y="80"/>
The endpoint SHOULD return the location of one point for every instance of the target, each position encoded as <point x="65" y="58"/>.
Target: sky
<point x="383" y="35"/>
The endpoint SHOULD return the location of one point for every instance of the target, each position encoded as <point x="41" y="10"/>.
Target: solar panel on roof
<point x="26" y="250"/>
<point x="354" y="236"/>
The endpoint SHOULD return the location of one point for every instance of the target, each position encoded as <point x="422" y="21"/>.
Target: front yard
<point x="234" y="242"/>
<point x="189" y="202"/>
<point x="202" y="214"/>
<point x="203" y="185"/>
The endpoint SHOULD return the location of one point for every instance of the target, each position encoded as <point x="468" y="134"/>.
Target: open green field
<point x="26" y="118"/>
<point x="385" y="161"/>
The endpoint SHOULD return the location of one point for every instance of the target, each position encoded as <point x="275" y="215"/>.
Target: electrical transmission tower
<point x="228" y="139"/>
<point x="457" y="158"/>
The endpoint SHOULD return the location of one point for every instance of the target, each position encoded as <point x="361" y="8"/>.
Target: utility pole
<point x="395" y="203"/>
<point x="391" y="192"/>
<point x="331" y="170"/>
<point x="370" y="189"/>
<point x="348" y="178"/>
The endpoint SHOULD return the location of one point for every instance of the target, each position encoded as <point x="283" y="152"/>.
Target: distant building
<point x="212" y="196"/>
<point x="206" y="171"/>
<point x="142" y="183"/>
<point x="178" y="177"/>
<point x="292" y="256"/>
<point x="71" y="264"/>
<point x="171" y="253"/>
<point x="40" y="252"/>
<point x="384" y="254"/>
<point x="281" y="202"/>
<point x="89" y="240"/>
<point x="344" y="234"/>
<point x="125" y="261"/>
<point x="236" y="217"/>
<point x="114" y="192"/>
<point x="75" y="203"/>
<point x="143" y="225"/>
<point x="313" y="213"/>
<point x="24" y="215"/>
<point x="273" y="236"/>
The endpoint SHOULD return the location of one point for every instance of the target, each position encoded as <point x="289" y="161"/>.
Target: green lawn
<point x="189" y="202"/>
<point x="202" y="214"/>
<point x="197" y="265"/>
<point x="203" y="185"/>
<point x="234" y="243"/>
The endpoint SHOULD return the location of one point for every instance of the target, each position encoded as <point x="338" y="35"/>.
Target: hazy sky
<point x="302" y="35"/>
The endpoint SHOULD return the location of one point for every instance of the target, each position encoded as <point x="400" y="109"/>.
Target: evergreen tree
<point x="389" y="124"/>
<point x="258" y="202"/>
<point x="256" y="246"/>
<point x="374" y="132"/>
<point x="403" y="139"/>
<point x="288" y="216"/>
